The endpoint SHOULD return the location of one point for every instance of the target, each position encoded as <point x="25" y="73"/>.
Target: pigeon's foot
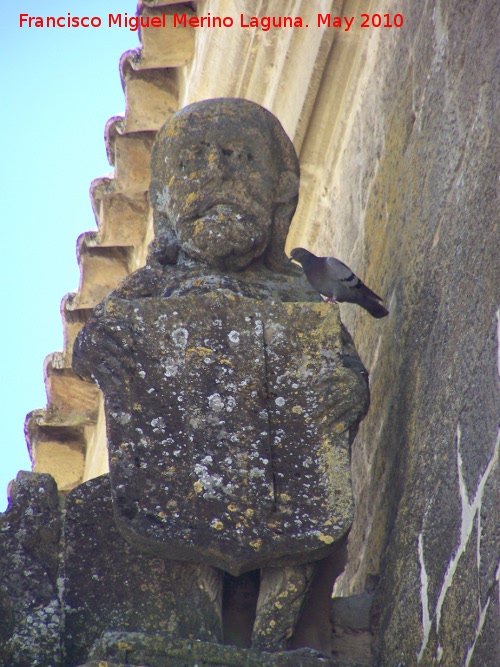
<point x="331" y="300"/>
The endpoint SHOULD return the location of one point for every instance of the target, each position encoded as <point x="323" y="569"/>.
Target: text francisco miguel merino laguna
<point x="187" y="20"/>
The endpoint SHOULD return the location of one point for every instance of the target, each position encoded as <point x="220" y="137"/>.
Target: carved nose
<point x="217" y="159"/>
<point x="214" y="154"/>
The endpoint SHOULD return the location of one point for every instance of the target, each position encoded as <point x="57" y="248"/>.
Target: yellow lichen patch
<point x="285" y="498"/>
<point x="256" y="544"/>
<point x="212" y="157"/>
<point x="327" y="539"/>
<point x="198" y="487"/>
<point x="218" y="525"/>
<point x="191" y="196"/>
<point x="198" y="228"/>
<point x="335" y="463"/>
<point x="297" y="409"/>
<point x="124" y="646"/>
<point x="232" y="508"/>
<point x="162" y="515"/>
<point x="249" y="512"/>
<point x="200" y="351"/>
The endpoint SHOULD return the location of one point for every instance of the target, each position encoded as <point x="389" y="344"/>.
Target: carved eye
<point x="189" y="158"/>
<point x="238" y="152"/>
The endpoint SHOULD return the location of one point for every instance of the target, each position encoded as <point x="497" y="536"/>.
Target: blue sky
<point x="58" y="88"/>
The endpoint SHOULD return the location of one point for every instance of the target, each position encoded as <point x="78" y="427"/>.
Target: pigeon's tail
<point x="374" y="308"/>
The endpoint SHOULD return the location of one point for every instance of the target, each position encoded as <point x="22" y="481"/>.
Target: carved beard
<point x="225" y="237"/>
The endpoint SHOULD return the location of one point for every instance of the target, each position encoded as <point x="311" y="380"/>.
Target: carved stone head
<point x="224" y="186"/>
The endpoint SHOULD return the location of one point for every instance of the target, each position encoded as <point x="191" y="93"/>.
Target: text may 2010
<point x="265" y="23"/>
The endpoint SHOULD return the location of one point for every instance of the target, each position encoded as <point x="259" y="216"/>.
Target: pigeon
<point x="334" y="280"/>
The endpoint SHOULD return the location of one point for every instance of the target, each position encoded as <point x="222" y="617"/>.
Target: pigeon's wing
<point x="337" y="270"/>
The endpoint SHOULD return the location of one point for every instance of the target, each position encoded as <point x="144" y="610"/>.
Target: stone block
<point x="151" y="97"/>
<point x="71" y="400"/>
<point x="30" y="614"/>
<point x="57" y="450"/>
<point x="139" y="649"/>
<point x="131" y="159"/>
<point x="180" y="41"/>
<point x="101" y="269"/>
<point x="107" y="584"/>
<point x="122" y="221"/>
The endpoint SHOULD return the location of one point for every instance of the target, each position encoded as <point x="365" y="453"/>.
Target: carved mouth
<point x="221" y="211"/>
<point x="225" y="207"/>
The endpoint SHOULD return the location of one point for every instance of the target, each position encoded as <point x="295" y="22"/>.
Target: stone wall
<point x="398" y="134"/>
<point x="420" y="177"/>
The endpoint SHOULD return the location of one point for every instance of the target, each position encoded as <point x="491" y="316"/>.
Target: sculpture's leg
<point x="314" y="628"/>
<point x="198" y="585"/>
<point x="281" y="595"/>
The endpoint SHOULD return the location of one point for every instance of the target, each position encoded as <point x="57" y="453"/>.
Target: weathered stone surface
<point x="314" y="626"/>
<point x="151" y="97"/>
<point x="66" y="444"/>
<point x="283" y="588"/>
<point x="108" y="584"/>
<point x="352" y="635"/>
<point x="180" y="41"/>
<point x="228" y="434"/>
<point x="282" y="69"/>
<point x="139" y="649"/>
<point x="131" y="153"/>
<point x="122" y="221"/>
<point x="424" y="143"/>
<point x="103" y="268"/>
<point x="30" y="613"/>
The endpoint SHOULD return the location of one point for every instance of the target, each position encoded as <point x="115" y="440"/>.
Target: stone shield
<point x="229" y="423"/>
